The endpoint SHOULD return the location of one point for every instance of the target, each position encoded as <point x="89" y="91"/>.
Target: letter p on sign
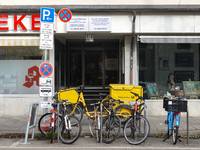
<point x="46" y="13"/>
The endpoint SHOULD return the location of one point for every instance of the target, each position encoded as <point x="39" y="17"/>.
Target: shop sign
<point x="78" y="24"/>
<point x="89" y="24"/>
<point x="100" y="23"/>
<point x="18" y="21"/>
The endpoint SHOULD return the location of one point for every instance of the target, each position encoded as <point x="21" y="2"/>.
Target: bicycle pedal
<point x="166" y="121"/>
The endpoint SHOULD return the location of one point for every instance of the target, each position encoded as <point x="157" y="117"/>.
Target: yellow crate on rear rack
<point x="122" y="92"/>
<point x="70" y="94"/>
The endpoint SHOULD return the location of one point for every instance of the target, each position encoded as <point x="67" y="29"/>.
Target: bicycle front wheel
<point x="77" y="112"/>
<point x="94" y="125"/>
<point x="136" y="130"/>
<point x="44" y="123"/>
<point x="110" y="128"/>
<point x="174" y="131"/>
<point x="70" y="131"/>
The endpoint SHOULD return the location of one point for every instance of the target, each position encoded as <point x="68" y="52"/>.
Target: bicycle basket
<point x="70" y="94"/>
<point x="174" y="105"/>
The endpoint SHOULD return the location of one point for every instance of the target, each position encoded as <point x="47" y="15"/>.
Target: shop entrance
<point x="94" y="65"/>
<point x="94" y="68"/>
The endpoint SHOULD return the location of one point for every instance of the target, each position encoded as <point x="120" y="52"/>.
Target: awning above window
<point x="19" y="40"/>
<point x="169" y="39"/>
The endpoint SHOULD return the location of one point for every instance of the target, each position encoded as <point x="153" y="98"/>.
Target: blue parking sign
<point x="47" y="14"/>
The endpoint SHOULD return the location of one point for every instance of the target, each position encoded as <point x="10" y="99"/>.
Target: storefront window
<point x="19" y="69"/>
<point x="172" y="68"/>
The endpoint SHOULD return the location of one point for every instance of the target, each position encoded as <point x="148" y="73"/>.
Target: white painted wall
<point x="101" y="2"/>
<point x="174" y="22"/>
<point x="127" y="50"/>
<point x="155" y="108"/>
<point x="120" y="22"/>
<point x="20" y="107"/>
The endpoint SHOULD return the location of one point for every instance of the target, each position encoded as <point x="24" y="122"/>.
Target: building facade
<point x="111" y="43"/>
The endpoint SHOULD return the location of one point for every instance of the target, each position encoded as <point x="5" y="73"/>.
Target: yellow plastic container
<point x="70" y="94"/>
<point x="122" y="92"/>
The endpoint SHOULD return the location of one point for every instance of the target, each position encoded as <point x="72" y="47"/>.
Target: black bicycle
<point x="137" y="128"/>
<point x="111" y="124"/>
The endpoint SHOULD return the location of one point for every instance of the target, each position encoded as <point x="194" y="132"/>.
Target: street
<point x="90" y="143"/>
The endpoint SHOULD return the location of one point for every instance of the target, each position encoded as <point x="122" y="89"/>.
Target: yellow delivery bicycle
<point x="123" y="111"/>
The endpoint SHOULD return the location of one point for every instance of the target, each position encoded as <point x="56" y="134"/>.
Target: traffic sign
<point x="45" y="81"/>
<point x="46" y="28"/>
<point x="47" y="14"/>
<point x="46" y="69"/>
<point x="45" y="91"/>
<point x="65" y="15"/>
<point x="47" y="104"/>
<point x="46" y="41"/>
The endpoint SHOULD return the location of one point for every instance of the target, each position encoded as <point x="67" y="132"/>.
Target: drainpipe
<point x="132" y="39"/>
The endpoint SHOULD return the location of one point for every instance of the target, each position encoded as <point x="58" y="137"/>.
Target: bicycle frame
<point x="170" y="119"/>
<point x="81" y="100"/>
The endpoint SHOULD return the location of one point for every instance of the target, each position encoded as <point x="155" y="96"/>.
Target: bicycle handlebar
<point x="139" y="97"/>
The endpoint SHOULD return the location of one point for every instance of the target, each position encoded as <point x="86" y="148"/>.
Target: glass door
<point x="94" y="65"/>
<point x="94" y="68"/>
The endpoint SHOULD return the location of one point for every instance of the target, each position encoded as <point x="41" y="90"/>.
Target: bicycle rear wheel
<point x="44" y="123"/>
<point x="136" y="132"/>
<point x="110" y="128"/>
<point x="174" y="131"/>
<point x="71" y="133"/>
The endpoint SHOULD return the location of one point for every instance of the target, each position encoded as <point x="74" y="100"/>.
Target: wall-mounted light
<point x="89" y="38"/>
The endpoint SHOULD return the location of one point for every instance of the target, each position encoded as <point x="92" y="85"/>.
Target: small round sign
<point x="46" y="69"/>
<point x="65" y="15"/>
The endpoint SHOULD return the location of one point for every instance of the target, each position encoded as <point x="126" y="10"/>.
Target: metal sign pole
<point x="101" y="123"/>
<point x="187" y="126"/>
<point x="45" y="110"/>
<point x="58" y="130"/>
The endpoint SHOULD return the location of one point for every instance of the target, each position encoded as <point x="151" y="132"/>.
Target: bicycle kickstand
<point x="179" y="139"/>
<point x="167" y="136"/>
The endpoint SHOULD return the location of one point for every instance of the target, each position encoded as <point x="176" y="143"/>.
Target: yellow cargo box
<point x="70" y="94"/>
<point x="122" y="92"/>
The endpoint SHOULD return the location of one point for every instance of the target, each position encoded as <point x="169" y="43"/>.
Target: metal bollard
<point x="32" y="119"/>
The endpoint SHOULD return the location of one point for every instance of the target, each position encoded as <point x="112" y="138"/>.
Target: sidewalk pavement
<point x="18" y="124"/>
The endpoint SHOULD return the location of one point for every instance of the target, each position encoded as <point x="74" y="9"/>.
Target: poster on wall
<point x="100" y="23"/>
<point x="180" y="76"/>
<point x="21" y="77"/>
<point x="152" y="89"/>
<point x="78" y="24"/>
<point x="111" y="64"/>
<point x="191" y="88"/>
